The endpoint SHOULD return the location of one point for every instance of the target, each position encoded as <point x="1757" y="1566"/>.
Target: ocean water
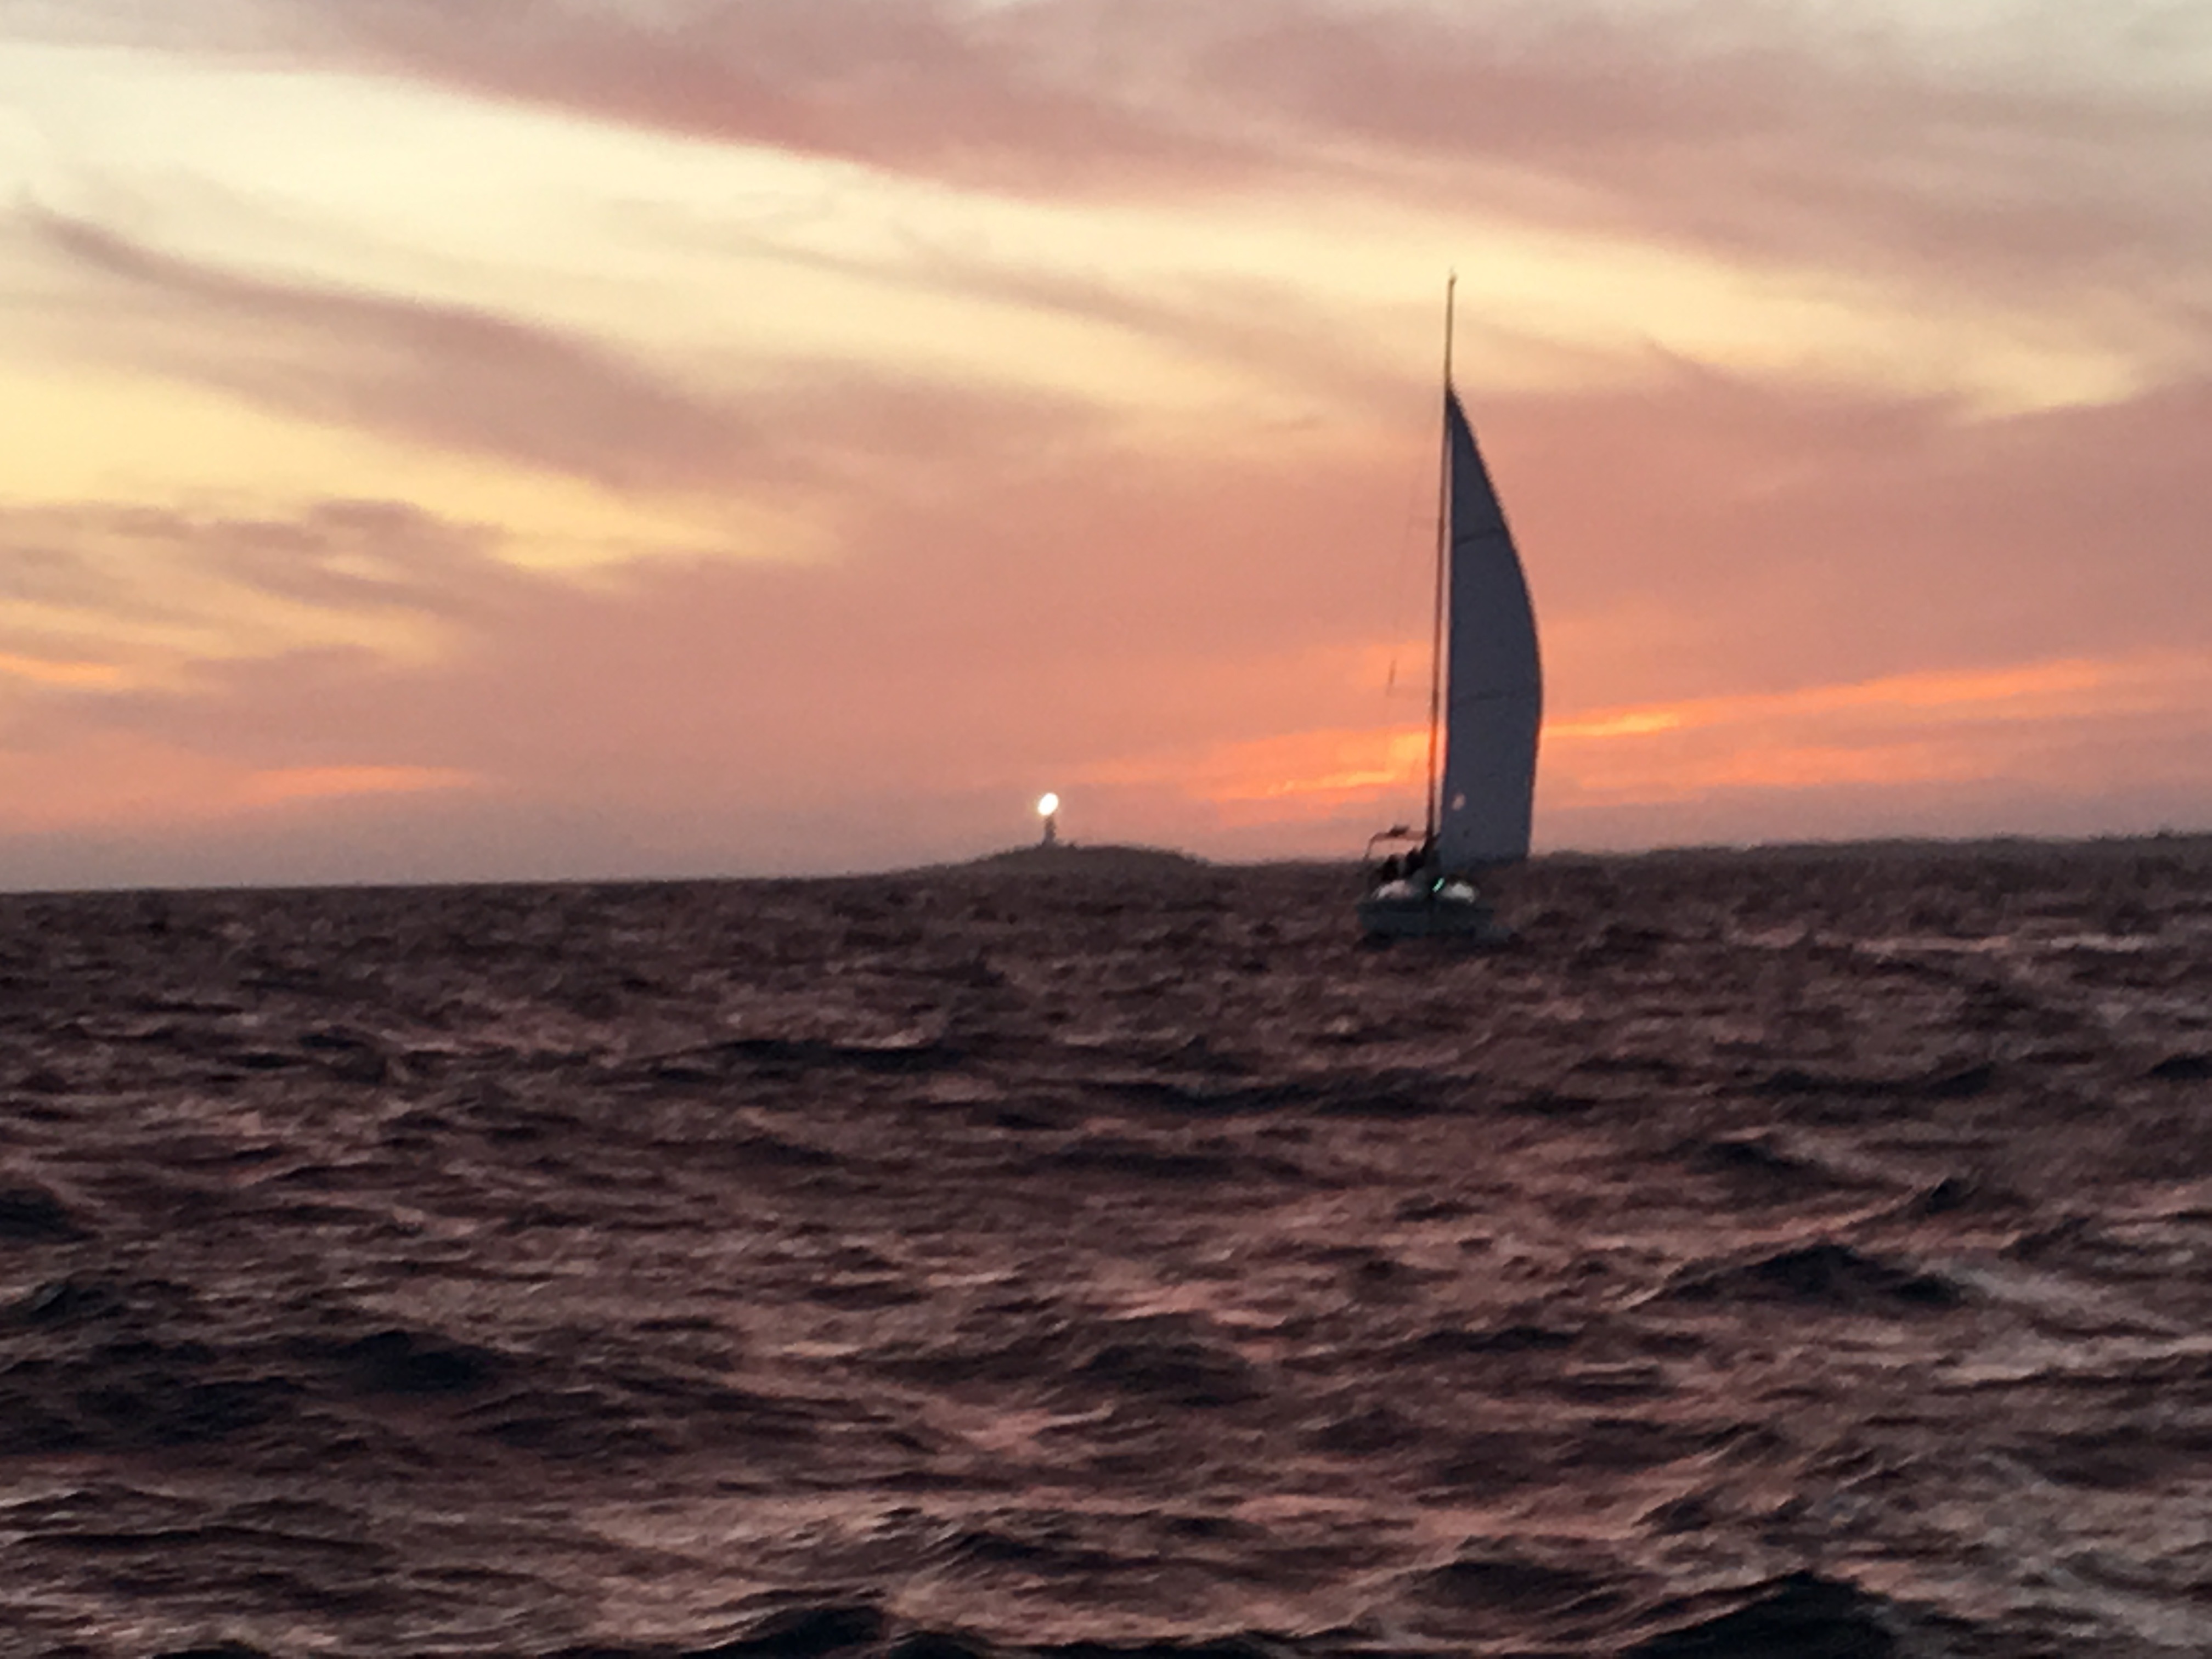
<point x="1775" y="1253"/>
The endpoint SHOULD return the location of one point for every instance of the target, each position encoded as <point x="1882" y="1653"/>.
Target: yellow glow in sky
<point x="81" y="675"/>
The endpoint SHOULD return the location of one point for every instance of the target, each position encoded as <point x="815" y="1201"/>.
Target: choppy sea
<point x="1774" y="1256"/>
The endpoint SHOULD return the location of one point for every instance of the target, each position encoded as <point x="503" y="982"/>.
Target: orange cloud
<point x="1629" y="723"/>
<point x="1892" y="730"/>
<point x="40" y="671"/>
<point x="1929" y="728"/>
<point x="120" y="780"/>
<point x="2025" y="692"/>
<point x="1296" y="775"/>
<point x="1780" y="767"/>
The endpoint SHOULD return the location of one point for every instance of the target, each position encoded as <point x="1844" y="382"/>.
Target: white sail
<point x="1494" y="683"/>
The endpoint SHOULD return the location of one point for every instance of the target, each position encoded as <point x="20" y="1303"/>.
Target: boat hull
<point x="1400" y="909"/>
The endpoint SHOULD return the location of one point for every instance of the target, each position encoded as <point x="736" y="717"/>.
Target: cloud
<point x="1796" y="603"/>
<point x="116" y="599"/>
<point x="1841" y="616"/>
<point x="685" y="713"/>
<point x="1026" y="97"/>
<point x="53" y="670"/>
<point x="2034" y="154"/>
<point x="1267" y="331"/>
<point x="797" y="437"/>
<point x="1897" y="729"/>
<point x="1747" y="131"/>
<point x="1875" y="739"/>
<point x="1710" y="533"/>
<point x="445" y="376"/>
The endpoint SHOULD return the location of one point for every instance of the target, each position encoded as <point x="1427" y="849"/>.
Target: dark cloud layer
<point x="2008" y="164"/>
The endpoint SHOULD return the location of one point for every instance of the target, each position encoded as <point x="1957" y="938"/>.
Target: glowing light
<point x="1048" y="803"/>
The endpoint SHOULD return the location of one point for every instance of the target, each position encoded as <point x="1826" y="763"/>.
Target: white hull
<point x="1401" y="909"/>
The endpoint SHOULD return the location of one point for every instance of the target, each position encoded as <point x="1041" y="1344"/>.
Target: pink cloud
<point x="446" y="376"/>
<point x="1748" y="536"/>
<point x="1740" y="128"/>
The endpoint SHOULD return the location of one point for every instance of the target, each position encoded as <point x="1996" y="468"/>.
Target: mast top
<point x="1452" y="290"/>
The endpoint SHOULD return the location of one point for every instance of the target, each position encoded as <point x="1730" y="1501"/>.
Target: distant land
<point x="1117" y="861"/>
<point x="1070" y="858"/>
<point x="1123" y="860"/>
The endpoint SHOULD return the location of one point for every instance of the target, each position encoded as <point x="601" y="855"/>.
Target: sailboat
<point x="1486" y="701"/>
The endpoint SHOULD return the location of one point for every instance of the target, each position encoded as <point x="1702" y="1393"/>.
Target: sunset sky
<point x="478" y="439"/>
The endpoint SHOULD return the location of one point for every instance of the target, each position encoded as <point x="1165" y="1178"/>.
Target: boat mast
<point x="1443" y="570"/>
